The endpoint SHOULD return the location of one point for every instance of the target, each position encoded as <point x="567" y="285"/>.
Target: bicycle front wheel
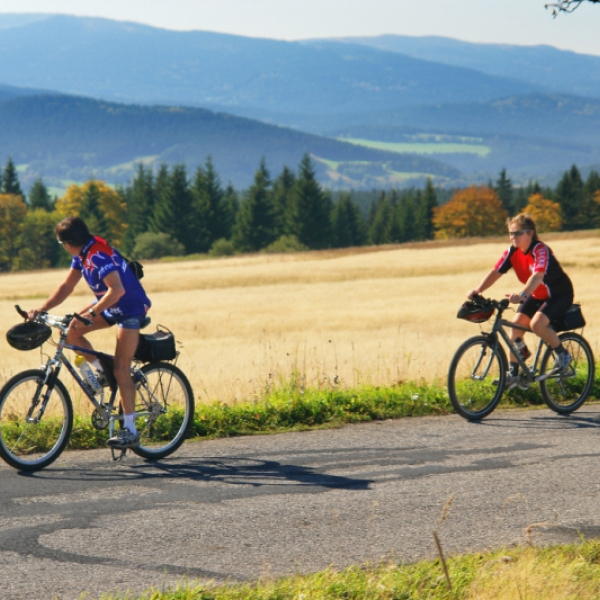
<point x="476" y="378"/>
<point x="566" y="393"/>
<point x="35" y="421"/>
<point x="165" y="409"/>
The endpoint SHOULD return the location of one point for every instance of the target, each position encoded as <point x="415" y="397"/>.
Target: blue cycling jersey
<point x="96" y="260"/>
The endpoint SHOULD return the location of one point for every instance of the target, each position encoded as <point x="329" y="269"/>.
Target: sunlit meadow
<point x="378" y="315"/>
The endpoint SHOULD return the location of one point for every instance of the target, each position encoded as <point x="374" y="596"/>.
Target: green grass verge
<point x="552" y="573"/>
<point x="293" y="408"/>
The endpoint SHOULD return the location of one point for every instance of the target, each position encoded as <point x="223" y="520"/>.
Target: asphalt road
<point x="247" y="507"/>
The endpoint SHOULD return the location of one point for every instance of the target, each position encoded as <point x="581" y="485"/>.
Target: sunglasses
<point x="518" y="233"/>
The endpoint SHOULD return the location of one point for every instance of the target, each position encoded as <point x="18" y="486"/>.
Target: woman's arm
<point x="532" y="284"/>
<point x="486" y="282"/>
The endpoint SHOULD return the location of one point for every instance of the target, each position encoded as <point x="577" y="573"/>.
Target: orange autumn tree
<point x="474" y="211"/>
<point x="546" y="214"/>
<point x="101" y="207"/>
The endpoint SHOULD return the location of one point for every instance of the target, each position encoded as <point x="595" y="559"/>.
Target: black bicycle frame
<point x="498" y="329"/>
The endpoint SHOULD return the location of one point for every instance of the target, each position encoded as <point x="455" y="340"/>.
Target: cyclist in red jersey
<point x="547" y="291"/>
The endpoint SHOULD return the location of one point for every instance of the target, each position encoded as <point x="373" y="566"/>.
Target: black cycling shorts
<point x="554" y="307"/>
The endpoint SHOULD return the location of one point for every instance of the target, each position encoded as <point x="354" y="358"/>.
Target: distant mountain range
<point x="126" y="62"/>
<point x="555" y="70"/>
<point x="457" y="111"/>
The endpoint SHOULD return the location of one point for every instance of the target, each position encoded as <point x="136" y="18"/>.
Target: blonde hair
<point x="525" y="222"/>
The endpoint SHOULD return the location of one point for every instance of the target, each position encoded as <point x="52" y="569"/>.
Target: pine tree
<point x="395" y="229"/>
<point x="91" y="211"/>
<point x="379" y="230"/>
<point x="139" y="197"/>
<point x="183" y="208"/>
<point x="348" y="223"/>
<point x="39" y="197"/>
<point x="162" y="217"/>
<point x="429" y="202"/>
<point x="406" y="215"/>
<point x="569" y="194"/>
<point x="10" y="181"/>
<point x="310" y="209"/>
<point x="210" y="220"/>
<point x="504" y="189"/>
<point x="282" y="194"/>
<point x="255" y="226"/>
<point x="592" y="184"/>
<point x="231" y="206"/>
<point x="173" y="209"/>
<point x="589" y="214"/>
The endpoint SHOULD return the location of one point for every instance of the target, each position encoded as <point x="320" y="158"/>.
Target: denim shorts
<point x="129" y="322"/>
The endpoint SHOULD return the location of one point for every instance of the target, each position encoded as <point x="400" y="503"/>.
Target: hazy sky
<point x="524" y="22"/>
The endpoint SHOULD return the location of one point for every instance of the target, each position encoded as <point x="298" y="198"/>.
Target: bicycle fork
<point x="48" y="381"/>
<point x="474" y="376"/>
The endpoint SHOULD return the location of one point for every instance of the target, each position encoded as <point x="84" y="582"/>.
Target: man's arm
<point x="60" y="294"/>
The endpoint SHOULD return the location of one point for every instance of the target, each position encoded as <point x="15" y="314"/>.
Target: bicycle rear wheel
<point x="165" y="404"/>
<point x="566" y="393"/>
<point x="476" y="378"/>
<point x="32" y="438"/>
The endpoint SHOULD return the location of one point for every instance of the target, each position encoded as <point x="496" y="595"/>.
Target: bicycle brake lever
<point x="85" y="321"/>
<point x="21" y="312"/>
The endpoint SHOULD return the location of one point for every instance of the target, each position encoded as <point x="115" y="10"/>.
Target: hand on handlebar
<point x="473" y="294"/>
<point x="515" y="298"/>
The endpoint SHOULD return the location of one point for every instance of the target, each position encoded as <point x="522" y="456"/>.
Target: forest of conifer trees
<point x="172" y="212"/>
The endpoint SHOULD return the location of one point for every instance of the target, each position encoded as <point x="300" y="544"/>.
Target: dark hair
<point x="74" y="231"/>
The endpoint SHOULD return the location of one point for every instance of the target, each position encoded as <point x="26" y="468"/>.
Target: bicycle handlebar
<point x="54" y="321"/>
<point x="489" y="302"/>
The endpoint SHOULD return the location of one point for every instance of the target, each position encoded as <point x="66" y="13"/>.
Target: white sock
<point x="97" y="366"/>
<point x="129" y="423"/>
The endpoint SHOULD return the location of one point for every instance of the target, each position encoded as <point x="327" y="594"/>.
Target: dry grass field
<point x="375" y="315"/>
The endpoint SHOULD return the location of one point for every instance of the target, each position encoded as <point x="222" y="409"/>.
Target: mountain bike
<point x="36" y="411"/>
<point x="478" y="371"/>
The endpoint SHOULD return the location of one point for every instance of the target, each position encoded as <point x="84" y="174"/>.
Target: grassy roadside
<point x="552" y="573"/>
<point x="291" y="407"/>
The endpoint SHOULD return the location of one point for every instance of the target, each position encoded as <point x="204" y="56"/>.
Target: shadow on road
<point x="579" y="420"/>
<point x="232" y="470"/>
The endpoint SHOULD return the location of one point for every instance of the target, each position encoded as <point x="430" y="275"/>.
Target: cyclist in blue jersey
<point x="120" y="299"/>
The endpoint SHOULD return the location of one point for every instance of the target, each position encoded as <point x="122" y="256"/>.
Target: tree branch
<point x="567" y="5"/>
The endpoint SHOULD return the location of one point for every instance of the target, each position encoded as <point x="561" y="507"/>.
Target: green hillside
<point x="71" y="138"/>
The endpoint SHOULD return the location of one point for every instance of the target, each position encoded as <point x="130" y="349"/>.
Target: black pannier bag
<point x="572" y="319"/>
<point x="156" y="346"/>
<point x="136" y="267"/>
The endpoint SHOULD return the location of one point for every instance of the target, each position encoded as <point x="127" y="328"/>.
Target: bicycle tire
<point x="167" y="398"/>
<point x="565" y="394"/>
<point x="476" y="378"/>
<point x="30" y="446"/>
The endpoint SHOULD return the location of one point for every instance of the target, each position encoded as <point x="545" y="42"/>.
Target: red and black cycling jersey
<point x="538" y="259"/>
